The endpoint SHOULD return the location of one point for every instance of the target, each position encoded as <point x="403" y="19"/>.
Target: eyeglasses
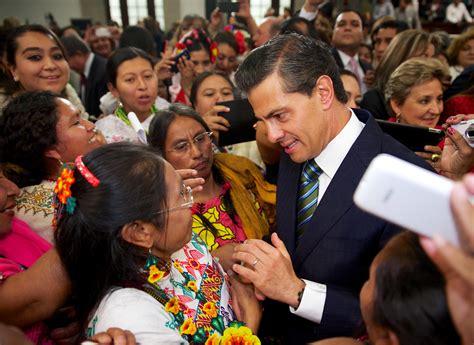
<point x="187" y="195"/>
<point x="200" y="140"/>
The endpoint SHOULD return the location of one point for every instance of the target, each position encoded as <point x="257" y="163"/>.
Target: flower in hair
<point x="63" y="189"/>
<point x="214" y="52"/>
<point x="180" y="47"/>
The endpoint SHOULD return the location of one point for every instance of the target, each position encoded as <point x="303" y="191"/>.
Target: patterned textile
<point x="225" y="229"/>
<point x="34" y="206"/>
<point x="195" y="263"/>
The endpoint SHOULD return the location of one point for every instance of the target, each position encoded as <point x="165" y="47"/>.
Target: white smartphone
<point x="409" y="196"/>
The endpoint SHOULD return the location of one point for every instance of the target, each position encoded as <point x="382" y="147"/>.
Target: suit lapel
<point x="287" y="192"/>
<point x="337" y="199"/>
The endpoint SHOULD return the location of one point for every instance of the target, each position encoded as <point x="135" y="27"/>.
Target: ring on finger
<point x="255" y="262"/>
<point x="435" y="157"/>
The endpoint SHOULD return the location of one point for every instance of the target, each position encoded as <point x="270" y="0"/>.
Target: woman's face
<point x="102" y="46"/>
<point x="136" y="85"/>
<point x="202" y="61"/>
<point x="212" y="90"/>
<point x="352" y="88"/>
<point x="466" y="54"/>
<point x="423" y="106"/>
<point x="76" y="136"/>
<point x="226" y="59"/>
<point x="8" y="192"/>
<point x="178" y="228"/>
<point x="198" y="153"/>
<point x="40" y="64"/>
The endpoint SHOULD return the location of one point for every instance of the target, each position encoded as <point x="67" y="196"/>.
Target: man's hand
<point x="458" y="156"/>
<point x="270" y="270"/>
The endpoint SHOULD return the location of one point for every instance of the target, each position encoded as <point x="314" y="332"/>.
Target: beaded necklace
<point x="122" y="115"/>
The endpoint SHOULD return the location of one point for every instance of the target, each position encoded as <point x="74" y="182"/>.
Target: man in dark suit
<point x="92" y="70"/>
<point x="347" y="37"/>
<point x="318" y="260"/>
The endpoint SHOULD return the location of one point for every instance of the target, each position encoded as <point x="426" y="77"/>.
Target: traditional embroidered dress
<point x="189" y="302"/>
<point x="34" y="206"/>
<point x="212" y="222"/>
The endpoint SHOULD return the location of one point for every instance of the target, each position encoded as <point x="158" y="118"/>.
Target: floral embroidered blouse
<point x="225" y="229"/>
<point x="199" y="294"/>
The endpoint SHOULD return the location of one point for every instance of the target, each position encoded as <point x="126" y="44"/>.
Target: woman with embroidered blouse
<point x="39" y="132"/>
<point x="133" y="83"/>
<point x="124" y="236"/>
<point x="236" y="202"/>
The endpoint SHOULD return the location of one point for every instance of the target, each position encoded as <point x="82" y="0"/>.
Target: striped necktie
<point x="307" y="195"/>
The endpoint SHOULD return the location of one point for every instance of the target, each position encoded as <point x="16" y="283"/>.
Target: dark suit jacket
<point x="340" y="241"/>
<point x="374" y="101"/>
<point x="363" y="64"/>
<point x="96" y="85"/>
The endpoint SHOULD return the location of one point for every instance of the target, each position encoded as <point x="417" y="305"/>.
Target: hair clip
<point x="94" y="181"/>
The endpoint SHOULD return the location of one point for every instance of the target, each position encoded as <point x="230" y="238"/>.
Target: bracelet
<point x="300" y="294"/>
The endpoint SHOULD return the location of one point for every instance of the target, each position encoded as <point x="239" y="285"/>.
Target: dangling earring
<point x="15" y="78"/>
<point x="397" y="116"/>
<point x="151" y="260"/>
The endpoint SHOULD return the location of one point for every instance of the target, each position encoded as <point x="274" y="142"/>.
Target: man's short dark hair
<point x="398" y="25"/>
<point x="74" y="44"/>
<point x="298" y="61"/>
<point x="362" y="21"/>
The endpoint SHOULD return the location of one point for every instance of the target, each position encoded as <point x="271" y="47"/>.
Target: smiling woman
<point x="38" y="132"/>
<point x="37" y="62"/>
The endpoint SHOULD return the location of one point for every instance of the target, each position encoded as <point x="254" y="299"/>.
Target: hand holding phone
<point x="184" y="53"/>
<point x="409" y="196"/>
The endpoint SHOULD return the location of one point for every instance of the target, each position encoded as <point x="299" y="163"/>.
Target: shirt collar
<point x="346" y="58"/>
<point x="334" y="153"/>
<point x="87" y="67"/>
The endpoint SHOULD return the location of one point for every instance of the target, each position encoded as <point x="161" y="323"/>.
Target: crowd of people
<point x="125" y="220"/>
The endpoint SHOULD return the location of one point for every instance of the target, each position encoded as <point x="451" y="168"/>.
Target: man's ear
<point x="325" y="90"/>
<point x="139" y="233"/>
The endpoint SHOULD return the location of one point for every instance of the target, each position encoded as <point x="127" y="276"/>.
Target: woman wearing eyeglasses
<point x="124" y="236"/>
<point x="235" y="203"/>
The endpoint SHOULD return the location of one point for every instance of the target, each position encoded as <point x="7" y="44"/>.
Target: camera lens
<point x="469" y="133"/>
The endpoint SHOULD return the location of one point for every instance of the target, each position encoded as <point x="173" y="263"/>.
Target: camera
<point x="466" y="129"/>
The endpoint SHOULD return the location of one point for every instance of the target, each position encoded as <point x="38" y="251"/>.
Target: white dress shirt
<point x="329" y="160"/>
<point x="360" y="72"/>
<point x="455" y="14"/>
